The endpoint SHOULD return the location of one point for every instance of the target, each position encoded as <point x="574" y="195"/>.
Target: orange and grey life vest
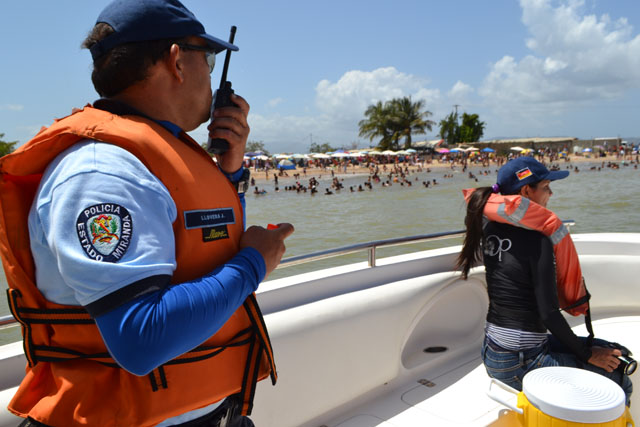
<point x="70" y="377"/>
<point x="522" y="212"/>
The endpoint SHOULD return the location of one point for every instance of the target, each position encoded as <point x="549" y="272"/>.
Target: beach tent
<point x="286" y="165"/>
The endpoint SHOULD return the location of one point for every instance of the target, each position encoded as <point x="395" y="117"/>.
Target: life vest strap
<point x="255" y="314"/>
<point x="587" y="317"/>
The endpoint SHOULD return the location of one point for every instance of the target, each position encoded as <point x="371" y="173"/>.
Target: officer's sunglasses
<point x="210" y="54"/>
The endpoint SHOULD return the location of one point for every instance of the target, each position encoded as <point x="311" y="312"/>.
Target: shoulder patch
<point x="104" y="231"/>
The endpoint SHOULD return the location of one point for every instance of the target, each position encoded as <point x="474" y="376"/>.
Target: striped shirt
<point x="514" y="339"/>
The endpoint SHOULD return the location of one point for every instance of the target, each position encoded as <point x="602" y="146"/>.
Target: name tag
<point x="209" y="218"/>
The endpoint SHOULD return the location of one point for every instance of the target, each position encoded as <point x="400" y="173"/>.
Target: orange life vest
<point x="522" y="212"/>
<point x="70" y="377"/>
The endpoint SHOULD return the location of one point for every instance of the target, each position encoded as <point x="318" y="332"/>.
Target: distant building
<point x="428" y="146"/>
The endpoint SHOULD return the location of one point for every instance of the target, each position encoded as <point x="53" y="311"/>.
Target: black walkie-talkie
<point x="222" y="99"/>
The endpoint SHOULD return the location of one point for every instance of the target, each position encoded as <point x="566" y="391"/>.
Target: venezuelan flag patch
<point x="523" y="173"/>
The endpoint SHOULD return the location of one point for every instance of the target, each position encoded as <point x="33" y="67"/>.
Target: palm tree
<point x="377" y="124"/>
<point x="393" y="120"/>
<point x="408" y="119"/>
<point x="449" y="129"/>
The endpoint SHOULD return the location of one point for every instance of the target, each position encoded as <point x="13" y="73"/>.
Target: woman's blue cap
<point x="145" y="20"/>
<point x="521" y="171"/>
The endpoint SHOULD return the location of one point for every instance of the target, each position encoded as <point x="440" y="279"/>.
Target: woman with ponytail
<point x="532" y="272"/>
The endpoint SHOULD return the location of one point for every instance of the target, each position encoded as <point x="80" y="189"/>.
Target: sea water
<point x="605" y="200"/>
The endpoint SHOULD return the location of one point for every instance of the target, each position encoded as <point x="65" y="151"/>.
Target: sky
<point x="309" y="69"/>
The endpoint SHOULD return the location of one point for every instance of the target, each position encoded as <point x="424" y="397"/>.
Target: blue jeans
<point x="510" y="366"/>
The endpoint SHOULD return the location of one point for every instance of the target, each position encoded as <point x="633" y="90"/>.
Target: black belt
<point x="222" y="416"/>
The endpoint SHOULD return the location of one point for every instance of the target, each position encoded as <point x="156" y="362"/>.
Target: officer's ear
<point x="174" y="61"/>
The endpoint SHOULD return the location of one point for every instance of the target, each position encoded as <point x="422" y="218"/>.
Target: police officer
<point x="135" y="284"/>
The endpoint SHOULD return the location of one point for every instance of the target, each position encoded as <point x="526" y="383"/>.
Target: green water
<point x="598" y="201"/>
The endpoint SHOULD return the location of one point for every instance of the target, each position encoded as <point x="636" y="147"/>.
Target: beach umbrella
<point x="472" y="149"/>
<point x="411" y="150"/>
<point x="340" y="154"/>
<point x="455" y="150"/>
<point x="375" y="153"/>
<point x="403" y="152"/>
<point x="516" y="148"/>
<point x="488" y="150"/>
<point x="281" y="156"/>
<point x="320" y="156"/>
<point x="442" y="150"/>
<point x="587" y="150"/>
<point x="260" y="157"/>
<point x="286" y="164"/>
<point x="388" y="153"/>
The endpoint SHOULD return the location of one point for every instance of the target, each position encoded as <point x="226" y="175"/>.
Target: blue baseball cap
<point x="521" y="171"/>
<point x="145" y="20"/>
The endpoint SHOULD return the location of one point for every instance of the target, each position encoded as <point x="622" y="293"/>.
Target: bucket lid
<point x="573" y="394"/>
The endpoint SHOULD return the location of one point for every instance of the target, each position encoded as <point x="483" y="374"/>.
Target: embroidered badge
<point x="209" y="234"/>
<point x="523" y="173"/>
<point x="105" y="231"/>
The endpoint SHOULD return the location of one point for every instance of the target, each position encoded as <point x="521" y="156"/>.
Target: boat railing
<point x="370" y="247"/>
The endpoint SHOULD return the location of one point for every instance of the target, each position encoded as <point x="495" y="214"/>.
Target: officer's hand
<point x="270" y="243"/>
<point x="605" y="358"/>
<point x="230" y="123"/>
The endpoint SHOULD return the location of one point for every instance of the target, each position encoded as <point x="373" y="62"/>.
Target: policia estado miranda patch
<point x="105" y="231"/>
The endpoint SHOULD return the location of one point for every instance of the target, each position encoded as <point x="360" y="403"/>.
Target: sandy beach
<point x="288" y="177"/>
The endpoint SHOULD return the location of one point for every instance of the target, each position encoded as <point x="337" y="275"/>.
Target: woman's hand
<point x="605" y="358"/>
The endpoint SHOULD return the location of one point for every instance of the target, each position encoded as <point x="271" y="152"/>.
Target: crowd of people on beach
<point x="404" y="174"/>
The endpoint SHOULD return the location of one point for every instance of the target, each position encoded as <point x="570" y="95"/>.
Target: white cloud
<point x="275" y="102"/>
<point x="349" y="97"/>
<point x="340" y="106"/>
<point x="12" y="107"/>
<point x="575" y="58"/>
<point x="460" y="91"/>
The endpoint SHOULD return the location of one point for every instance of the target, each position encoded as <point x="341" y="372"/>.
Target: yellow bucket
<point x="564" y="397"/>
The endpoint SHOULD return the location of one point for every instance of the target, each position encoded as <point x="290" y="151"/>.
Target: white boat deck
<point x="349" y="341"/>
<point x="459" y="397"/>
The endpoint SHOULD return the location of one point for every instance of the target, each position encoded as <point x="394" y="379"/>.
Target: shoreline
<point x="260" y="176"/>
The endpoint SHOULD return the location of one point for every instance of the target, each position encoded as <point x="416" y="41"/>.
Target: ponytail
<point x="470" y="254"/>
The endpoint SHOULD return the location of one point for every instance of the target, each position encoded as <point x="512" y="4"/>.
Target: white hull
<point x="349" y="341"/>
